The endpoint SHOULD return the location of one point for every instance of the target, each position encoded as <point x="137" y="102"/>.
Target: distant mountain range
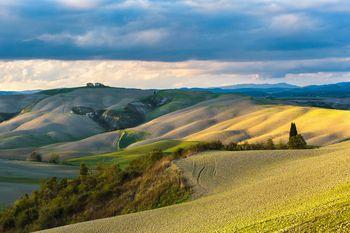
<point x="260" y="86"/>
<point x="19" y="92"/>
<point x="284" y="90"/>
<point x="277" y="90"/>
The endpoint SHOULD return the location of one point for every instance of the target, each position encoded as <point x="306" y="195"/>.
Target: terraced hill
<point x="252" y="191"/>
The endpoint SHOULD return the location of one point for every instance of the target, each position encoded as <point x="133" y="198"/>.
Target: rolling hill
<point x="124" y="157"/>
<point x="251" y="191"/>
<point x="226" y="118"/>
<point x="73" y="114"/>
<point x="50" y="120"/>
<point x="246" y="191"/>
<point x="238" y="118"/>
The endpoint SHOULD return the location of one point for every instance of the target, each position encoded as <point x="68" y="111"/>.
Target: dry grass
<point x="319" y="126"/>
<point x="236" y="118"/>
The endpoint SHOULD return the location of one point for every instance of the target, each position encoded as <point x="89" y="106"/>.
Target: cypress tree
<point x="296" y="141"/>
<point x="293" y="130"/>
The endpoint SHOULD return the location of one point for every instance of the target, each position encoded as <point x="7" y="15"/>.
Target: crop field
<point x="124" y="157"/>
<point x="251" y="191"/>
<point x="20" y="177"/>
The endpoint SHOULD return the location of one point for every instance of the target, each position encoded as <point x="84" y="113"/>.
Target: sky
<point x="172" y="43"/>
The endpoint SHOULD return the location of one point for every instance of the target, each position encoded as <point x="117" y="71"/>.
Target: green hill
<point x="124" y="157"/>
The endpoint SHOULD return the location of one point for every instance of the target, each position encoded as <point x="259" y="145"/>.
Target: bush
<point x="281" y="146"/>
<point x="54" y="158"/>
<point x="84" y="170"/>
<point x="232" y="146"/>
<point x="178" y="153"/>
<point x="34" y="156"/>
<point x="215" y="145"/>
<point x="297" y="142"/>
<point x="138" y="166"/>
<point x="270" y="145"/>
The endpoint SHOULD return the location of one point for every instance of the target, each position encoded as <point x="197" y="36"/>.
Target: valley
<point x="187" y="116"/>
<point x="239" y="191"/>
<point x="20" y="177"/>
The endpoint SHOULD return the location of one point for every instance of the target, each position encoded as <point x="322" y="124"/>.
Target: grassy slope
<point x="124" y="157"/>
<point x="50" y="125"/>
<point x="179" y="99"/>
<point x="318" y="126"/>
<point x="199" y="117"/>
<point x="50" y="120"/>
<point x="20" y="177"/>
<point x="236" y="118"/>
<point x="97" y="144"/>
<point x="249" y="192"/>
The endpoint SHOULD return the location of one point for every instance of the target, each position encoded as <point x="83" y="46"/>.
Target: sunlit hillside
<point x="235" y="118"/>
<point x="301" y="190"/>
<point x="318" y="126"/>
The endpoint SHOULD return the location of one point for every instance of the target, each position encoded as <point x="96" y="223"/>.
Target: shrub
<point x="281" y="146"/>
<point x="138" y="166"/>
<point x="84" y="170"/>
<point x="178" y="153"/>
<point x="35" y="157"/>
<point x="297" y="142"/>
<point x="54" y="158"/>
<point x="270" y="145"/>
<point x="215" y="145"/>
<point x="232" y="146"/>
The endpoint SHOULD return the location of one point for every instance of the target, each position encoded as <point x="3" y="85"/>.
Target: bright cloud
<point x="43" y="74"/>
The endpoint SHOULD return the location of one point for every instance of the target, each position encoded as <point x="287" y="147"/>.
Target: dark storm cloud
<point x="254" y="30"/>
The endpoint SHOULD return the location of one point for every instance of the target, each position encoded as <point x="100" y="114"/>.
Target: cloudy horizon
<point x="169" y="44"/>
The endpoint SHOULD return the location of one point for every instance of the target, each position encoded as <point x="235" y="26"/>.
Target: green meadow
<point x="125" y="156"/>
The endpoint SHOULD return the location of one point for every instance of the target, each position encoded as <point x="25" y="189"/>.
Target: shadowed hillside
<point x="66" y="115"/>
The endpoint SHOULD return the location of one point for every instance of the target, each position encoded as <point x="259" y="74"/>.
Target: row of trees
<point x="36" y="157"/>
<point x="296" y="141"/>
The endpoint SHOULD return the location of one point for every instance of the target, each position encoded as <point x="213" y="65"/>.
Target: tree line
<point x="106" y="191"/>
<point x="295" y="141"/>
